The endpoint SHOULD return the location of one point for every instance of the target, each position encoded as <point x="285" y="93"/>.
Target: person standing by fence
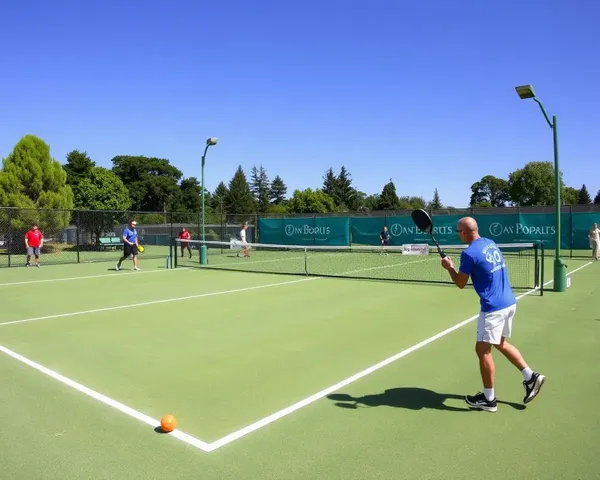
<point x="34" y="241"/>
<point x="184" y="235"/>
<point x="594" y="237"/>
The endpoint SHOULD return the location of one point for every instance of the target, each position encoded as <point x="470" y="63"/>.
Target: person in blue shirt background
<point x="130" y="245"/>
<point x="484" y="263"/>
<point x="384" y="236"/>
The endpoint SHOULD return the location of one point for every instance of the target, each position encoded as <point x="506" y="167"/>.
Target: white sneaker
<point x="117" y="268"/>
<point x="135" y="268"/>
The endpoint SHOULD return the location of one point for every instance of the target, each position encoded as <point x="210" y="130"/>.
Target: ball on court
<point x="168" y="423"/>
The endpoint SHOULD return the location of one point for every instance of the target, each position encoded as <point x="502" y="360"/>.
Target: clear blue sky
<point x="418" y="91"/>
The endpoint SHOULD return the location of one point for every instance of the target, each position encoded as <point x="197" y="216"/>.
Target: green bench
<point x="109" y="243"/>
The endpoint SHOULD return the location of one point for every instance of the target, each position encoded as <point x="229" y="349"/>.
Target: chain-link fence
<point x="81" y="236"/>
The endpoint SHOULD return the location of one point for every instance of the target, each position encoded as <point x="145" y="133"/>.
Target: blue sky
<point x="418" y="91"/>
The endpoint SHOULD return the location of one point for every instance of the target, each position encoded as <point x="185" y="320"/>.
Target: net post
<point x="77" y="232"/>
<point x="10" y="234"/>
<point x="306" y="260"/>
<point x="536" y="265"/>
<point x="174" y="251"/>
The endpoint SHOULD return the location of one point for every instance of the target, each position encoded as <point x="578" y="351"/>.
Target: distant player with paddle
<point x="384" y="236"/>
<point x="184" y="235"/>
<point x="483" y="261"/>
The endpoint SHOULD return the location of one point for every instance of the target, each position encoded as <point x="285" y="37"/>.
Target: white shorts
<point x="492" y="326"/>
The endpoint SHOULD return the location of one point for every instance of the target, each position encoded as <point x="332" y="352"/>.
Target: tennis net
<point x="412" y="263"/>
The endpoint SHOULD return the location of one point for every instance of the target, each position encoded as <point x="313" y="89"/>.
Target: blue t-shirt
<point x="130" y="234"/>
<point x="484" y="261"/>
<point x="385" y="235"/>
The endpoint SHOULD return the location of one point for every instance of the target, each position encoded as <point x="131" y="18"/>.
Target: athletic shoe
<point x="117" y="268"/>
<point x="533" y="386"/>
<point x="479" y="401"/>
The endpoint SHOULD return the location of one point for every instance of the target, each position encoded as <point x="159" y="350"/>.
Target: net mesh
<point x="364" y="262"/>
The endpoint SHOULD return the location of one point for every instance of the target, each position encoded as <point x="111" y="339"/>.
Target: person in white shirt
<point x="243" y="240"/>
<point x="594" y="237"/>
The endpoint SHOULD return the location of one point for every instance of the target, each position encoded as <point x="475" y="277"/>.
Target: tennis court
<point x="273" y="375"/>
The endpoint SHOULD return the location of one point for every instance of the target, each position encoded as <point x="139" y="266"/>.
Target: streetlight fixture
<point x="560" y="271"/>
<point x="203" y="249"/>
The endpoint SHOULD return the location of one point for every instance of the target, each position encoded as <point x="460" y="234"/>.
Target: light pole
<point x="203" y="248"/>
<point x="560" y="269"/>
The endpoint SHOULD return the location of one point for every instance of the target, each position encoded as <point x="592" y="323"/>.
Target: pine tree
<point x="278" y="191"/>
<point x="219" y="197"/>
<point x="260" y="188"/>
<point x="436" y="203"/>
<point x="388" y="200"/>
<point x="584" y="197"/>
<point x="597" y="198"/>
<point x="239" y="198"/>
<point x="347" y="196"/>
<point x="330" y="183"/>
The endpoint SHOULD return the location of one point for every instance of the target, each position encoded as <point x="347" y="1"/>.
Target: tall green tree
<point x="330" y="183"/>
<point x="278" y="191"/>
<point x="260" y="188"/>
<point x="218" y="199"/>
<point x="191" y="195"/>
<point x="533" y="184"/>
<point x="388" y="200"/>
<point x="597" y="198"/>
<point x="569" y="196"/>
<point x="239" y="197"/>
<point x="411" y="203"/>
<point x="78" y="166"/>
<point x="31" y="179"/>
<point x="311" y="201"/>
<point x="436" y="203"/>
<point x="490" y="190"/>
<point x="153" y="183"/>
<point x="584" y="197"/>
<point x="101" y="190"/>
<point x="371" y="202"/>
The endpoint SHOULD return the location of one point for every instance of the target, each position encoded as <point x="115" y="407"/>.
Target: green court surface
<point x="285" y="377"/>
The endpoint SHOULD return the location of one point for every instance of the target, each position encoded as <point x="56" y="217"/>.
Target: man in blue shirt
<point x="384" y="236"/>
<point x="483" y="261"/>
<point x="130" y="244"/>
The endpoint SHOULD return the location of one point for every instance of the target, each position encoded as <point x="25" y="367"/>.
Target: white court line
<point x="307" y="401"/>
<point x="120" y="274"/>
<point x="209" y="447"/>
<point x="156" y="302"/>
<point x="106" y="400"/>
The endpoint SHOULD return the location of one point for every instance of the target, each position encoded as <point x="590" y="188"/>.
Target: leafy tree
<point x="436" y="203"/>
<point x="191" y="195"/>
<point x="388" y="200"/>
<point x="278" y="191"/>
<point x="278" y="208"/>
<point x="584" y="197"/>
<point x="152" y="182"/>
<point x="260" y="188"/>
<point x="533" y="184"/>
<point x="31" y="179"/>
<point x="597" y="198"/>
<point x="410" y="203"/>
<point x="239" y="197"/>
<point x="78" y="167"/>
<point x="371" y="202"/>
<point x="311" y="201"/>
<point x="569" y="196"/>
<point x="490" y="189"/>
<point x="102" y="190"/>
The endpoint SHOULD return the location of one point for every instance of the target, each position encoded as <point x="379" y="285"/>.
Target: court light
<point x="203" y="249"/>
<point x="560" y="269"/>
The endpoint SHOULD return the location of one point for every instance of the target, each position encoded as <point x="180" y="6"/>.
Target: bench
<point x="109" y="243"/>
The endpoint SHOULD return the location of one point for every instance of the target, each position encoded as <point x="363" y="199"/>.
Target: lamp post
<point x="203" y="248"/>
<point x="560" y="270"/>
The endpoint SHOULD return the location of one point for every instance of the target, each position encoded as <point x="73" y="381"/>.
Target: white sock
<point x="527" y="373"/>
<point x="489" y="393"/>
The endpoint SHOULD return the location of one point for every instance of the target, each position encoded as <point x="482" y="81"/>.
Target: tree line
<point x="31" y="178"/>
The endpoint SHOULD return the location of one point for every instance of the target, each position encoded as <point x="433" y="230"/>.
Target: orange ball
<point x="168" y="423"/>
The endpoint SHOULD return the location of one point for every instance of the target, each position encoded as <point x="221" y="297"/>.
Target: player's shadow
<point x="411" y="398"/>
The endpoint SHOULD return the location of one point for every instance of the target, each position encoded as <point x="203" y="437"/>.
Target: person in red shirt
<point x="34" y="241"/>
<point x="184" y="235"/>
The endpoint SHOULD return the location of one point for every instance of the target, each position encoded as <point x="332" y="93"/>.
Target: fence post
<point x="77" y="233"/>
<point x="10" y="234"/>
<point x="571" y="228"/>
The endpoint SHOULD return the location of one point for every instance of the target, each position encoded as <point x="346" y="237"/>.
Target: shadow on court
<point x="411" y="398"/>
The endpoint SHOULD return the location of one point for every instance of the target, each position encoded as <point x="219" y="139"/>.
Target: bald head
<point x="467" y="229"/>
